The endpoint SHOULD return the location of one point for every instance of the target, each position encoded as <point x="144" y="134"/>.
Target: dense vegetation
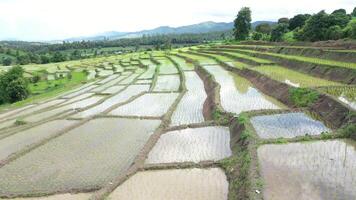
<point x="302" y="27"/>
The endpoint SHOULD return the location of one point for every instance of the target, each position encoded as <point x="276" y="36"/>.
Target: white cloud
<point x="57" y="19"/>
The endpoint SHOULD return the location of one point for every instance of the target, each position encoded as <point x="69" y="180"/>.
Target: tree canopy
<point x="242" y="24"/>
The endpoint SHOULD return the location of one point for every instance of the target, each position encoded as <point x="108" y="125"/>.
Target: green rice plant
<point x="257" y="60"/>
<point x="348" y="92"/>
<point x="303" y="97"/>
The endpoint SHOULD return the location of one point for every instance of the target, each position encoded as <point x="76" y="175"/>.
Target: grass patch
<point x="303" y="97"/>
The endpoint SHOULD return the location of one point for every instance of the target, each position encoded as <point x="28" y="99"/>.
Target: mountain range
<point x="203" y="27"/>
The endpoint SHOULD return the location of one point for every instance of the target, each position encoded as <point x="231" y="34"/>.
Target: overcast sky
<point x="59" y="19"/>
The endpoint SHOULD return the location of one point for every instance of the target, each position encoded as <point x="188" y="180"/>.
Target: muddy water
<point x="86" y="157"/>
<point x="287" y="125"/>
<point x="116" y="99"/>
<point x="167" y="83"/>
<point x="192" y="145"/>
<point x="149" y="105"/>
<point x="178" y="184"/>
<point x="18" y="141"/>
<point x="190" y="108"/>
<point x="311" y="170"/>
<point x="237" y="94"/>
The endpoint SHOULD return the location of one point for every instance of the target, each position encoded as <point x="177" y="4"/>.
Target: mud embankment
<point x="333" y="73"/>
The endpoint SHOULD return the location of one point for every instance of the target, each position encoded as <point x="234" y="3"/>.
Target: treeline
<point x="302" y="27"/>
<point x="40" y="53"/>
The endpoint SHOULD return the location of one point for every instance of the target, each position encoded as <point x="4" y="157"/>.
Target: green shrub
<point x="349" y="131"/>
<point x="13" y="86"/>
<point x="303" y="97"/>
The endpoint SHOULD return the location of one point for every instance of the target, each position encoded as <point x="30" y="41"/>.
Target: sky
<point x="40" y="20"/>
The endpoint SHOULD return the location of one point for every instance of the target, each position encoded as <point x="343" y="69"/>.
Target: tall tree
<point x="353" y="14"/>
<point x="242" y="24"/>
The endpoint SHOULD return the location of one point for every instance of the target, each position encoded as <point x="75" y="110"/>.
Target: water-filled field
<point x="192" y="145"/>
<point x="237" y="94"/>
<point x="190" y="107"/>
<point x="167" y="83"/>
<point x="84" y="158"/>
<point x="189" y="184"/>
<point x="309" y="170"/>
<point x="147" y="105"/>
<point x="121" y="97"/>
<point x="287" y="125"/>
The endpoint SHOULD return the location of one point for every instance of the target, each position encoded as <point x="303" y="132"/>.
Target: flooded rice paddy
<point x="237" y="94"/>
<point x="148" y="105"/>
<point x="167" y="67"/>
<point x="86" y="157"/>
<point x="187" y="184"/>
<point x="20" y="140"/>
<point x="190" y="108"/>
<point x="167" y="83"/>
<point x="121" y="97"/>
<point x="113" y="89"/>
<point x="192" y="145"/>
<point x="287" y="125"/>
<point x="311" y="170"/>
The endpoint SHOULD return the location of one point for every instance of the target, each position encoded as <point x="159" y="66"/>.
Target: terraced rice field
<point x="167" y="67"/>
<point x="198" y="184"/>
<point x="190" y="108"/>
<point x="192" y="145"/>
<point x="287" y="125"/>
<point x="312" y="170"/>
<point x="167" y="83"/>
<point x="161" y="131"/>
<point x="237" y="94"/>
<point x="84" y="158"/>
<point x="121" y="97"/>
<point x="25" y="138"/>
<point x="147" y="105"/>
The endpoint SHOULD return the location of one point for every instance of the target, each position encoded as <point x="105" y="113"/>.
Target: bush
<point x="350" y="30"/>
<point x="13" y="86"/>
<point x="303" y="97"/>
<point x="334" y="33"/>
<point x="256" y="36"/>
<point x="278" y="32"/>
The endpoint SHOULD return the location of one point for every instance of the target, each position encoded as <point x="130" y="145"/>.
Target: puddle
<point x="86" y="157"/>
<point x="18" y="141"/>
<point x="121" y="97"/>
<point x="238" y="94"/>
<point x="148" y="105"/>
<point x="192" y="145"/>
<point x="190" y="108"/>
<point x="309" y="170"/>
<point x="167" y="83"/>
<point x="187" y="184"/>
<point x="287" y="125"/>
